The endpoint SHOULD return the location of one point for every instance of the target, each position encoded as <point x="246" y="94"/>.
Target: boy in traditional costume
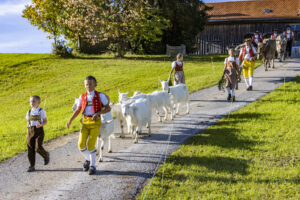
<point x="178" y="65"/>
<point x="231" y="73"/>
<point x="37" y="119"/>
<point x="91" y="104"/>
<point x="247" y="60"/>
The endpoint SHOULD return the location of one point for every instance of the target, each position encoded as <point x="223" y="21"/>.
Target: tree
<point x="118" y="21"/>
<point x="187" y="19"/>
<point x="115" y="20"/>
<point x="45" y="15"/>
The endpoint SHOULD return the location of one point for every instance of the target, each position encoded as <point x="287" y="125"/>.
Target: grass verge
<point x="252" y="153"/>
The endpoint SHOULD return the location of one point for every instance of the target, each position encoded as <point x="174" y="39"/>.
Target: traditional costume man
<point x="247" y="60"/>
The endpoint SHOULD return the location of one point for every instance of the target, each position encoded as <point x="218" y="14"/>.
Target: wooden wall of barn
<point x="215" y="38"/>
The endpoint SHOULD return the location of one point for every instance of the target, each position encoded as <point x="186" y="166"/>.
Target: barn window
<point x="268" y="11"/>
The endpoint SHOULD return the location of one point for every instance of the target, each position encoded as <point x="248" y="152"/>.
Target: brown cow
<point x="281" y="43"/>
<point x="266" y="51"/>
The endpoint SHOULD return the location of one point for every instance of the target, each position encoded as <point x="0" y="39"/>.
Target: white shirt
<point x="247" y="55"/>
<point x="288" y="34"/>
<point x="256" y="37"/>
<point x="178" y="62"/>
<point x="35" y="111"/>
<point x="89" y="110"/>
<point x="231" y="59"/>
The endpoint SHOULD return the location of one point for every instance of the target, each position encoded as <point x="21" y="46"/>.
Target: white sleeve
<point x="27" y="115"/>
<point x="254" y="50"/>
<point x="237" y="61"/>
<point x="225" y="61"/>
<point x="173" y="64"/>
<point x="103" y="99"/>
<point x="79" y="102"/>
<point x="43" y="114"/>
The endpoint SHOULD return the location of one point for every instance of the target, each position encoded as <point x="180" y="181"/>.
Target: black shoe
<point x="86" y="165"/>
<point x="233" y="98"/>
<point x="30" y="169"/>
<point x="229" y="97"/>
<point x="250" y="88"/>
<point x="46" y="160"/>
<point x="92" y="170"/>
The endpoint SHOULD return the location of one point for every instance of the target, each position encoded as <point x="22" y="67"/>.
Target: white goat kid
<point x="159" y="100"/>
<point x="116" y="109"/>
<point x="106" y="131"/>
<point x="179" y="94"/>
<point x="137" y="114"/>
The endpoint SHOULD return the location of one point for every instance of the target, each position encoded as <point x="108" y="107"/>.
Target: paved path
<point x="125" y="171"/>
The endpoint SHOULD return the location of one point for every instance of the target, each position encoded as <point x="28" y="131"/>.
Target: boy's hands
<point x="39" y="125"/>
<point x="68" y="124"/>
<point x="95" y="116"/>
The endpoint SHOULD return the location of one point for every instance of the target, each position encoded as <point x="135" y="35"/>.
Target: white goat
<point x="158" y="100"/>
<point x="106" y="131"/>
<point x="116" y="109"/>
<point x="137" y="114"/>
<point x="179" y="94"/>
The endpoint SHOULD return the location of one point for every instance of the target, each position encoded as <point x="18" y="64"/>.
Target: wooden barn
<point x="230" y="21"/>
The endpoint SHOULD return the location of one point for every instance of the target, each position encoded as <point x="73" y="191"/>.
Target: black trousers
<point x="289" y="48"/>
<point x="35" y="137"/>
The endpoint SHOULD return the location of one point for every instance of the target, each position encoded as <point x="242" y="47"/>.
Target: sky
<point x="17" y="35"/>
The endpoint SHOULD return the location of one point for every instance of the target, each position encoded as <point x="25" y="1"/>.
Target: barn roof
<point x="254" y="9"/>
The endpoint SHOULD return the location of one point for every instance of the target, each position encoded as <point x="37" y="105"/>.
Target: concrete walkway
<point x="125" y="171"/>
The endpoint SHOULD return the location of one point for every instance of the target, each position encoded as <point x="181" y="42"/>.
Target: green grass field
<point x="58" y="81"/>
<point x="252" y="153"/>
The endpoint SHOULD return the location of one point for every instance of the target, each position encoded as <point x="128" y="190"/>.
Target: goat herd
<point x="136" y="112"/>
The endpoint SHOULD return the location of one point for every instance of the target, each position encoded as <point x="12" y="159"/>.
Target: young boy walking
<point x="91" y="105"/>
<point x="37" y="119"/>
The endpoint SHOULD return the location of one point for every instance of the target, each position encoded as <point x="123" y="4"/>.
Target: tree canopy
<point x="128" y="24"/>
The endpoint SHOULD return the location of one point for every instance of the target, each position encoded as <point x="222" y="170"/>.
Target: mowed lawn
<point x="252" y="153"/>
<point x="58" y="81"/>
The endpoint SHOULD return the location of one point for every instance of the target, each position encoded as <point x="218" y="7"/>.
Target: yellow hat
<point x="247" y="39"/>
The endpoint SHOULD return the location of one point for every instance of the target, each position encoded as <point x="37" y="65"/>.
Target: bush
<point x="61" y="49"/>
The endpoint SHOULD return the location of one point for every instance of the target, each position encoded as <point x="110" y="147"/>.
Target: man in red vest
<point x="256" y="38"/>
<point x="289" y="34"/>
<point x="91" y="104"/>
<point x="247" y="60"/>
<point x="275" y="34"/>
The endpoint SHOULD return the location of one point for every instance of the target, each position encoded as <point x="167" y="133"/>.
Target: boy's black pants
<point x="35" y="137"/>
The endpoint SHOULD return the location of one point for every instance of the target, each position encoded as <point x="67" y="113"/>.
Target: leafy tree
<point x="187" y="19"/>
<point x="45" y="15"/>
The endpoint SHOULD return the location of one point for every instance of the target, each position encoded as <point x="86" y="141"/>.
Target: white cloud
<point x="13" y="7"/>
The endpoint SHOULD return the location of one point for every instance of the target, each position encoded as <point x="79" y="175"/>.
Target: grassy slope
<point x="22" y="75"/>
<point x="250" y="154"/>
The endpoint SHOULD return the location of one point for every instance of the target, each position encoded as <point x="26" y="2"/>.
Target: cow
<point x="266" y="51"/>
<point x="281" y="43"/>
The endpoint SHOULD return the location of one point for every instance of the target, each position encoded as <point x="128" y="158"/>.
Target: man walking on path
<point x="247" y="60"/>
